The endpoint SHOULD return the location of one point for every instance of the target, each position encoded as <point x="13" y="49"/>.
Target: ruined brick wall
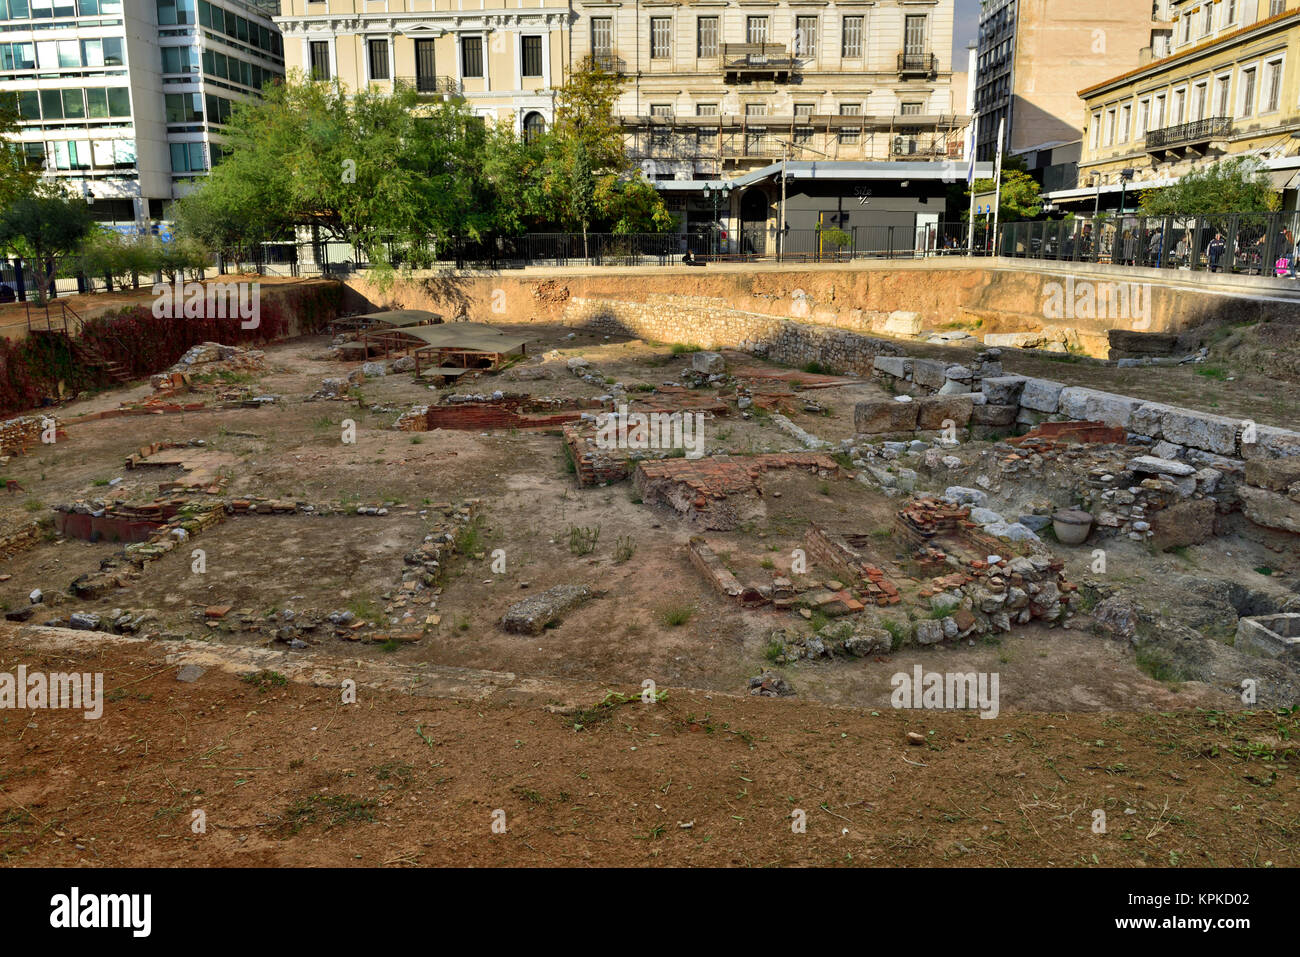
<point x="19" y="540"/>
<point x="506" y="412"/>
<point x="491" y="416"/>
<point x="834" y="555"/>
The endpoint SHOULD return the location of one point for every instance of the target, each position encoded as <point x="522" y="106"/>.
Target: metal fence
<point x="1243" y="243"/>
<point x="1259" y="244"/>
<point x="305" y="259"/>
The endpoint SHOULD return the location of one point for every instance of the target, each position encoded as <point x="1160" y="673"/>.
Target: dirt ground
<point x="289" y="776"/>
<point x="1184" y="774"/>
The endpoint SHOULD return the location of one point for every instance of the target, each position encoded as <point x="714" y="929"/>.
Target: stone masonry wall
<point x="708" y="322"/>
<point x="1261" y="462"/>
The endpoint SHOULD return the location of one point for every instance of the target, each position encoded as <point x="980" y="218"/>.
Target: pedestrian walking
<point x="1215" y="251"/>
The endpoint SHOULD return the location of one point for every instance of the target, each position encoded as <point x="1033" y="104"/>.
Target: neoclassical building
<point x="713" y="87"/>
<point x="505" y="59"/>
<point x="719" y="87"/>
<point x="849" y="103"/>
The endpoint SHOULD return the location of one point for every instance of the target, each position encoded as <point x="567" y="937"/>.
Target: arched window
<point x="534" y="126"/>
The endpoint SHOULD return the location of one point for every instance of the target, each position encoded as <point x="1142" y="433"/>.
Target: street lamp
<point x="1124" y="176"/>
<point x="718" y="193"/>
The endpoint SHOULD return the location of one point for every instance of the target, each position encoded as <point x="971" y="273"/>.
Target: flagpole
<point x="997" y="178"/>
<point x="970" y="184"/>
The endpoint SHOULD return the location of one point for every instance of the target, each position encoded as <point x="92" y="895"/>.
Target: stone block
<point x="1271" y="442"/>
<point x="880" y="416"/>
<point x="1003" y="390"/>
<point x="1272" y="636"/>
<point x="1152" y="465"/>
<point x="708" y="363"/>
<point x="897" y="366"/>
<point x="996" y="415"/>
<point x="1187" y="523"/>
<point x="533" y="614"/>
<point x="1041" y="395"/>
<point x="963" y="495"/>
<point x="1270" y="509"/>
<point x="1093" y="406"/>
<point x="933" y="411"/>
<point x="1025" y="340"/>
<point x="928" y="632"/>
<point x="1148" y="418"/>
<point x="929" y="373"/>
<point x="1201" y="430"/>
<point x="902" y="323"/>
<point x="1277" y="475"/>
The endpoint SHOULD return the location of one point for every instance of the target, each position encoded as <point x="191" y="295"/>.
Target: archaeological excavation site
<point x="856" y="564"/>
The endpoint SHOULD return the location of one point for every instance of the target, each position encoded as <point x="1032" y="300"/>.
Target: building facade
<point x="1231" y="87"/>
<point x="716" y="94"/>
<point x="1034" y="55"/>
<point x="720" y="87"/>
<point x="124" y="102"/>
<point x="505" y="60"/>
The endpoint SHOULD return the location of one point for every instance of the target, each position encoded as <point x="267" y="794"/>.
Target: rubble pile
<point x="19" y="434"/>
<point x="207" y="358"/>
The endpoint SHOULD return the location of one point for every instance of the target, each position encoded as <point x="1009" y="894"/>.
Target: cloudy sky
<point x="968" y="12"/>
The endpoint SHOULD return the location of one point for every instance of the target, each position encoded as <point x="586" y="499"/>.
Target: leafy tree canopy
<point x="1236" y="185"/>
<point x="42" y="227"/>
<point x="1020" y="195"/>
<point x="17" y="177"/>
<point x="375" y="169"/>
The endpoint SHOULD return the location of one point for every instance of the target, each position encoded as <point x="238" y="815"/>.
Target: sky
<point x="968" y="14"/>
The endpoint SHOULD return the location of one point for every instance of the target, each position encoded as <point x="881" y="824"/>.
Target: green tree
<point x="587" y="173"/>
<point x="1236" y="185"/>
<point x="1020" y="198"/>
<point x="394" y="173"/>
<point x="376" y="170"/>
<point x="17" y="176"/>
<point x="42" y="227"/>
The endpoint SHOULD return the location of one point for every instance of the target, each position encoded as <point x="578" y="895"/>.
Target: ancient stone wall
<point x="998" y="298"/>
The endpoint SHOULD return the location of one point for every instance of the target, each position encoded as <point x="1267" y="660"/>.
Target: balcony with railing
<point x="746" y="62"/>
<point x="1195" y="135"/>
<point x="918" y="64"/>
<point x="610" y="62"/>
<point x="432" y="85"/>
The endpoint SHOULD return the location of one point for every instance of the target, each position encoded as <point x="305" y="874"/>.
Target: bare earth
<point x="470" y="720"/>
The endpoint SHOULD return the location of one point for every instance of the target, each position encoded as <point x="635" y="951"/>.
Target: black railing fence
<point x="757" y="243"/>
<point x="1242" y="243"/>
<point x="1260" y="244"/>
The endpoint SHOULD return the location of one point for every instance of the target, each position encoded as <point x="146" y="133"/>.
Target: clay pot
<point x="1071" y="525"/>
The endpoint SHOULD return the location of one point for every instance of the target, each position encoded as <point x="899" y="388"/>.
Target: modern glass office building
<point x="124" y="101"/>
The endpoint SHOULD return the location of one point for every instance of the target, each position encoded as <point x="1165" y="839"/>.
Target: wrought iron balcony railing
<point x="432" y="84"/>
<point x="772" y="59"/>
<point x="918" y="63"/>
<point x="609" y="62"/>
<point x="1189" y="134"/>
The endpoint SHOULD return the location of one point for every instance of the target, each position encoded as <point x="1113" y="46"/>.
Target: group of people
<point x="1130" y="249"/>
<point x="1284" y="248"/>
